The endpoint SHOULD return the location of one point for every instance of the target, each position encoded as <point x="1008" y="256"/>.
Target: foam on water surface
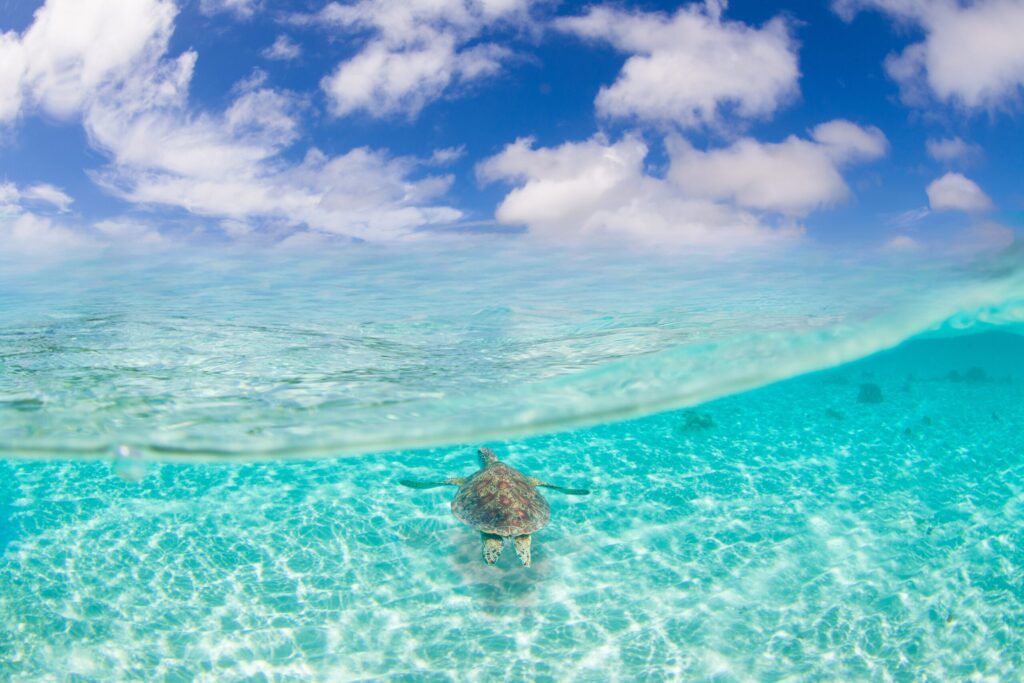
<point x="788" y="533"/>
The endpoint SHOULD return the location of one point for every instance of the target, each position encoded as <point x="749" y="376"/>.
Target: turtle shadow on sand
<point x="499" y="589"/>
<point x="501" y="503"/>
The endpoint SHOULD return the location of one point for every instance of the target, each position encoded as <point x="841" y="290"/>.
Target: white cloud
<point x="903" y="243"/>
<point x="597" y="189"/>
<point x="417" y="51"/>
<point x="240" y="8"/>
<point x="107" y="63"/>
<point x="28" y="233"/>
<point x="972" y="53"/>
<point x="74" y="47"/>
<point x="228" y="166"/>
<point x="909" y="217"/>
<point x="447" y="155"/>
<point x="12" y="73"/>
<point x="11" y="197"/>
<point x="8" y="194"/>
<point x="956" y="192"/>
<point x="792" y="177"/>
<point x="45" y="192"/>
<point x="692" y="67"/>
<point x="283" y="49"/>
<point x="360" y="194"/>
<point x="949" y="150"/>
<point x="382" y="81"/>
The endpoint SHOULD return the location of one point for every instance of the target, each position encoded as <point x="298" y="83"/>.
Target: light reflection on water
<point x="798" y="533"/>
<point x="200" y="354"/>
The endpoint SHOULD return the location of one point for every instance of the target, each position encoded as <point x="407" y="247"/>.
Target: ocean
<point x="803" y="466"/>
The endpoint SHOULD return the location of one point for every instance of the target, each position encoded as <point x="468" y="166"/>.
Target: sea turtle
<point x="501" y="503"/>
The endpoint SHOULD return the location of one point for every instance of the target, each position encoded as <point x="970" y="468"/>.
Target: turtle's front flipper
<point x="413" y="484"/>
<point x="523" y="549"/>
<point x="493" y="545"/>
<point x="572" y="492"/>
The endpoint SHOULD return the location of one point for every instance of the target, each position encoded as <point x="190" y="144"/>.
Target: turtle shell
<point x="500" y="500"/>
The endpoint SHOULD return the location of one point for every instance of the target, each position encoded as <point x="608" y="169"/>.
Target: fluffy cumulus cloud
<point x="599" y="189"/>
<point x="691" y="67"/>
<point x="741" y="196"/>
<point x="791" y="177"/>
<point x="74" y="48"/>
<point x="972" y="53"/>
<point x="106" y="62"/>
<point x="954" y="191"/>
<point x="417" y="51"/>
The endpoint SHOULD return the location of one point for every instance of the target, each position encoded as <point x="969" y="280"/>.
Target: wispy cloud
<point x="240" y="8"/>
<point x="13" y="196"/>
<point x="952" y="150"/>
<point x="910" y="217"/>
<point x="283" y="49"/>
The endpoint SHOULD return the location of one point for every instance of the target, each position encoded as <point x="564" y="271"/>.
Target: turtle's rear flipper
<point x="413" y="484"/>
<point x="523" y="549"/>
<point x="572" y="492"/>
<point x="493" y="545"/>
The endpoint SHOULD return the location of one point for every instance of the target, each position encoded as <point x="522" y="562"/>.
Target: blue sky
<point x="881" y="123"/>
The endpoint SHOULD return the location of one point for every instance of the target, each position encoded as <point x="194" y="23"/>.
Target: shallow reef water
<point x="795" y="534"/>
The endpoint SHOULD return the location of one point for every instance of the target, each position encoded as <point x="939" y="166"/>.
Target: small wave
<point x="221" y="355"/>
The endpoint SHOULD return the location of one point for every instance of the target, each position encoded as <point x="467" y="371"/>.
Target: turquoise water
<point x="760" y="522"/>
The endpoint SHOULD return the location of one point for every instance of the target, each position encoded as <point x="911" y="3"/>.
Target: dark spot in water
<point x="24" y="405"/>
<point x="834" y="414"/>
<point x="975" y="375"/>
<point x="908" y="432"/>
<point x="694" y="421"/>
<point x="926" y="420"/>
<point x="995" y="416"/>
<point x="869" y="393"/>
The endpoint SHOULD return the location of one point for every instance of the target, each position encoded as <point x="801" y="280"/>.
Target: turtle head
<point x="487" y="457"/>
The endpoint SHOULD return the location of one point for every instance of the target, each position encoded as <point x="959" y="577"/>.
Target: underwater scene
<point x="600" y="341"/>
<point x="819" y="486"/>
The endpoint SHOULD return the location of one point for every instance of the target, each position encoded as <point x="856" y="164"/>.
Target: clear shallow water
<point x="237" y="354"/>
<point x="803" y="535"/>
<point x="785" y="532"/>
